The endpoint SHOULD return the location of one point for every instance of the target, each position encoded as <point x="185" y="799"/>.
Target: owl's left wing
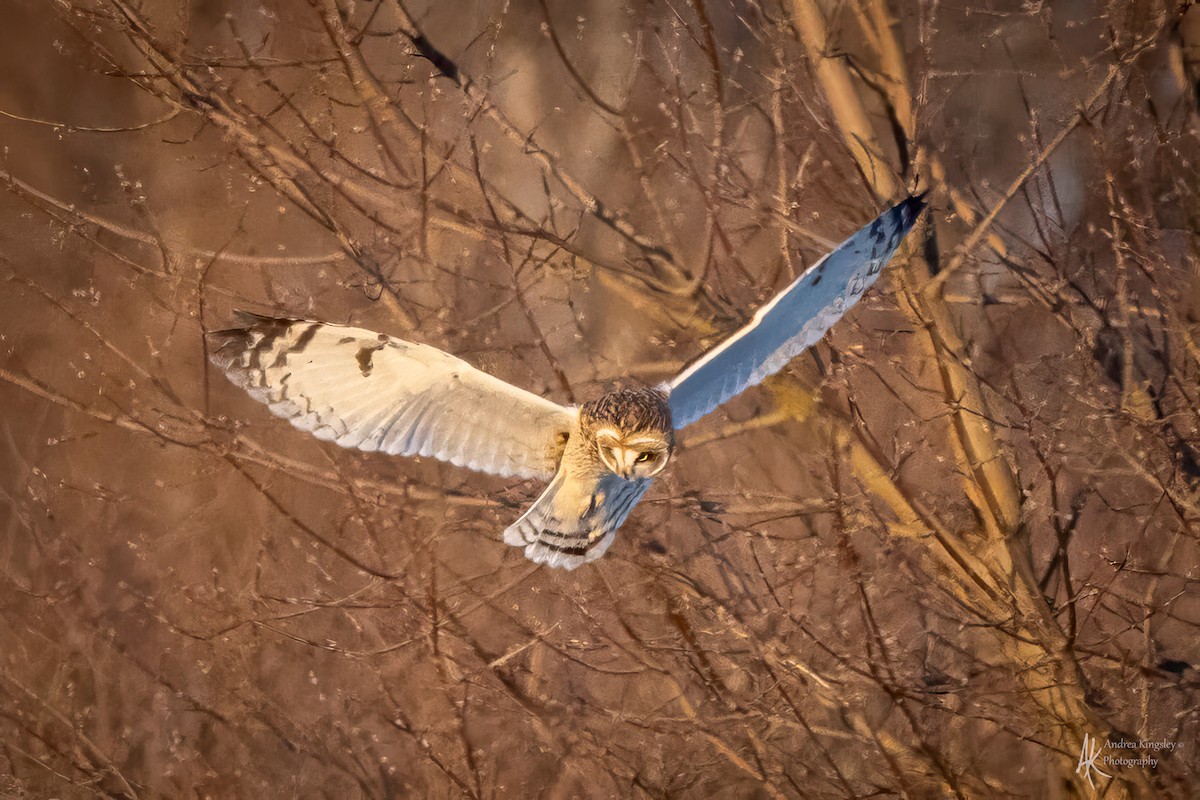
<point x="377" y="393"/>
<point x="794" y="320"/>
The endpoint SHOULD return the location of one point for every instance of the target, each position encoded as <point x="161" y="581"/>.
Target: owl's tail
<point x="566" y="528"/>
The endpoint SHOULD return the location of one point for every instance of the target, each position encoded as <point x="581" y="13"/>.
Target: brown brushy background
<point x="924" y="561"/>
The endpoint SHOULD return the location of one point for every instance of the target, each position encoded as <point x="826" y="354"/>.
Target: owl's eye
<point x="644" y="457"/>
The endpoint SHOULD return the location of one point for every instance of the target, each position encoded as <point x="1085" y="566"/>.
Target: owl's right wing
<point x="794" y="320"/>
<point x="373" y="392"/>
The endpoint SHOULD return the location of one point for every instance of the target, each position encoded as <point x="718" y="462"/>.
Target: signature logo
<point x="1088" y="754"/>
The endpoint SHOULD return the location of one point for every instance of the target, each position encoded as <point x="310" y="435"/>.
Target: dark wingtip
<point x="227" y="345"/>
<point x="910" y="208"/>
<point x="249" y="319"/>
<point x="243" y="321"/>
<point x="917" y="202"/>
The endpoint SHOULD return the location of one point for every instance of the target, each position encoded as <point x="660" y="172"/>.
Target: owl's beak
<point x="625" y="459"/>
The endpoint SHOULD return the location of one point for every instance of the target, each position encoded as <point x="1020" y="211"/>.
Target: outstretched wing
<point x="794" y="320"/>
<point x="367" y="390"/>
<point x="576" y="519"/>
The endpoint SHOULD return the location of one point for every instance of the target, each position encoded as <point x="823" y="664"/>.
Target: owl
<point x="374" y="392"/>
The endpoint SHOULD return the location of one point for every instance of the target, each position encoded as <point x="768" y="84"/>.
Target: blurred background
<point x="925" y="560"/>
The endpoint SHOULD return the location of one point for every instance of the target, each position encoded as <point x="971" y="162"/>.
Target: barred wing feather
<point x="794" y="320"/>
<point x="373" y="392"/>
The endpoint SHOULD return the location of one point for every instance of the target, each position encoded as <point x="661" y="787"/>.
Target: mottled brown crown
<point x="629" y="410"/>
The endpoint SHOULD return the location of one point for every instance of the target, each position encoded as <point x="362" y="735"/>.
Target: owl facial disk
<point x="639" y="455"/>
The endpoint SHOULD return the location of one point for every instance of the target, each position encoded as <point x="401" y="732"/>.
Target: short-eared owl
<point x="371" y="391"/>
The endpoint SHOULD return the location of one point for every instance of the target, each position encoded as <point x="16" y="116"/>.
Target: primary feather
<point x="377" y="393"/>
<point x="794" y="320"/>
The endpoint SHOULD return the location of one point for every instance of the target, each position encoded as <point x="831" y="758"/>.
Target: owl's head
<point x="632" y="431"/>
